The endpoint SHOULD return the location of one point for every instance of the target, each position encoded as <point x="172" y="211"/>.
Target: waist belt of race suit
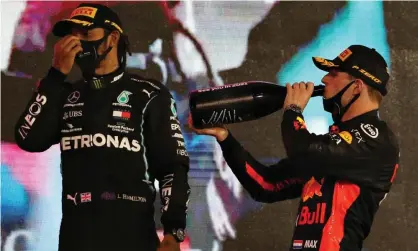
<point x="79" y="198"/>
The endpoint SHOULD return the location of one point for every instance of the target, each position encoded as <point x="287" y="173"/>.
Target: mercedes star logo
<point x="73" y="97"/>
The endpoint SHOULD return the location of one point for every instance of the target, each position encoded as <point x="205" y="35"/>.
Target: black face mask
<point x="89" y="59"/>
<point x="333" y="105"/>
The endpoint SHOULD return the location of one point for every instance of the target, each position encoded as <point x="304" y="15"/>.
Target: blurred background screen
<point x="189" y="45"/>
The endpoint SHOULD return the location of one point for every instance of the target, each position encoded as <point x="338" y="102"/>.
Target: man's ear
<point x="359" y="86"/>
<point x="113" y="39"/>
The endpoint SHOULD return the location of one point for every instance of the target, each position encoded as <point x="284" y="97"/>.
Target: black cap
<point x="89" y="16"/>
<point x="361" y="62"/>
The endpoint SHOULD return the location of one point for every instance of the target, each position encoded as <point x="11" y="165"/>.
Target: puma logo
<point x="148" y="93"/>
<point x="69" y="197"/>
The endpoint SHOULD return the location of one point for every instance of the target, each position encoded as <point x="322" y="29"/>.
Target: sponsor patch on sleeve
<point x="370" y="130"/>
<point x="299" y="124"/>
<point x="346" y="136"/>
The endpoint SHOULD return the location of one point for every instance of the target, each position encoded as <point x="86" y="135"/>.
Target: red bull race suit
<point x="116" y="138"/>
<point x="341" y="178"/>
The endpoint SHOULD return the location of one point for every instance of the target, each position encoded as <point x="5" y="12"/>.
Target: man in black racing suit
<point x="117" y="132"/>
<point x="342" y="176"/>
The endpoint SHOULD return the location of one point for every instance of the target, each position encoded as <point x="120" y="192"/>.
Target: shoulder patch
<point x="370" y="130"/>
<point x="346" y="136"/>
<point x="146" y="82"/>
<point x="173" y="107"/>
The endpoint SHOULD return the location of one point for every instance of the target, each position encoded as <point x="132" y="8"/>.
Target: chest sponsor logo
<point x="122" y="115"/>
<point x="99" y="140"/>
<point x="357" y="135"/>
<point x="71" y="128"/>
<point x="312" y="188"/>
<point x="117" y="77"/>
<point x="123" y="99"/>
<point x="73" y="97"/>
<point x="370" y="130"/>
<point x="34" y="110"/>
<point x="310" y="217"/>
<point x="72" y="114"/>
<point x="120" y="128"/>
<point x="147" y="92"/>
<point x="73" y="105"/>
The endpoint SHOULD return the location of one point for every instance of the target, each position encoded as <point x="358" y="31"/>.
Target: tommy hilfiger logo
<point x="124" y="115"/>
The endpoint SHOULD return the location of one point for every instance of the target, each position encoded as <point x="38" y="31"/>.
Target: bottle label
<point x="220" y="117"/>
<point x="222" y="87"/>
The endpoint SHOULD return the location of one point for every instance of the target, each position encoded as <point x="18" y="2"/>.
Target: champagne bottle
<point x="238" y="102"/>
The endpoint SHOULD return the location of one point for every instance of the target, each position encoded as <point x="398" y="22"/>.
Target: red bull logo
<point x="312" y="188"/>
<point x="308" y="217"/>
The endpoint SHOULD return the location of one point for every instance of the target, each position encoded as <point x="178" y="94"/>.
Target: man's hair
<point x="374" y="94"/>
<point x="122" y="48"/>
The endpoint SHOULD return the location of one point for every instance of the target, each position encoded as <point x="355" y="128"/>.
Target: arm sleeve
<point x="348" y="155"/>
<point x="264" y="183"/>
<point x="37" y="129"/>
<point x="168" y="158"/>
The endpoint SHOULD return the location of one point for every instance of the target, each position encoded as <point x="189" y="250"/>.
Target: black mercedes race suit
<point x="341" y="178"/>
<point x="115" y="140"/>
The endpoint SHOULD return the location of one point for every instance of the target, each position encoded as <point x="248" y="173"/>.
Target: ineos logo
<point x="73" y="97"/>
<point x="35" y="109"/>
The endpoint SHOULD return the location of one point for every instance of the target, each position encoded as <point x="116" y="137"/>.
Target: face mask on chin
<point x="89" y="59"/>
<point x="333" y="105"/>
